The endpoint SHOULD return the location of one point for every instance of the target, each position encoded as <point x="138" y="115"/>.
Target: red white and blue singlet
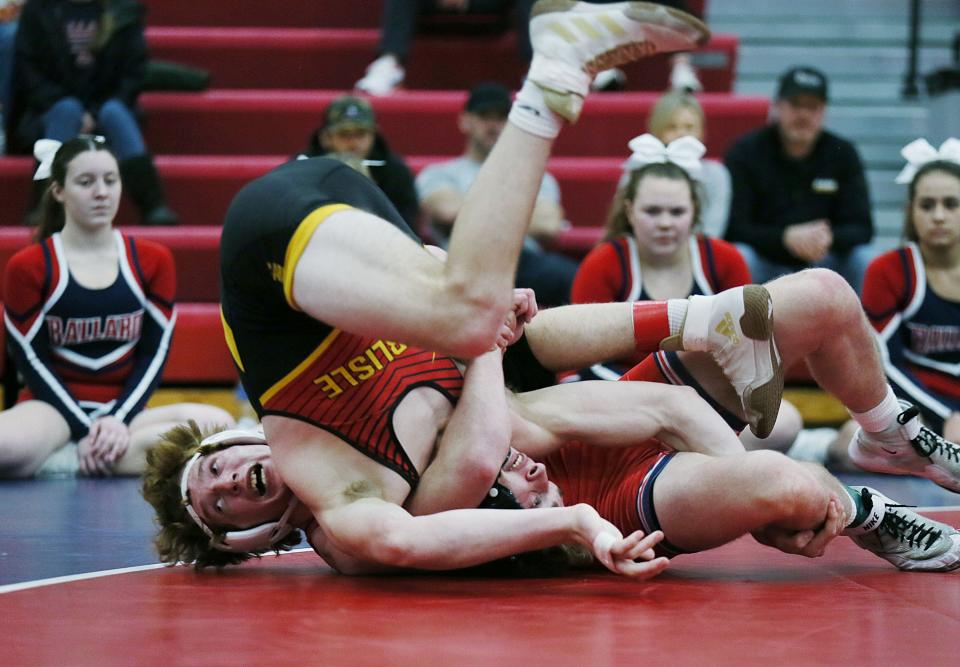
<point x="90" y="352"/>
<point x="919" y="333"/>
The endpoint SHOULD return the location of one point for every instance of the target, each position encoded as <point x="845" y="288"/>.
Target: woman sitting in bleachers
<point x="89" y="315"/>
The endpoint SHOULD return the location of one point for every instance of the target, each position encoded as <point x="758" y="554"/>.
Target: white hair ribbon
<point x="45" y="150"/>
<point x="919" y="152"/>
<point x="684" y="152"/>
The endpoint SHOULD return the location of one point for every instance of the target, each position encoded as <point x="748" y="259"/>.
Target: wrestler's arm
<point x="367" y="533"/>
<point x="476" y="438"/>
<point x="379" y="536"/>
<point x="472" y="446"/>
<point x="618" y="414"/>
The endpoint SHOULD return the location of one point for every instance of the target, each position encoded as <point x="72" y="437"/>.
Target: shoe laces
<point x="913" y="530"/>
<point x="927" y="443"/>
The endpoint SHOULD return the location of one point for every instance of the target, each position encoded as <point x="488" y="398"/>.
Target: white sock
<point x="532" y="115"/>
<point x="883" y="417"/>
<point x="676" y="312"/>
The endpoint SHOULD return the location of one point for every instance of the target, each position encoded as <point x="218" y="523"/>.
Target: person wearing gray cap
<point x="349" y="128"/>
<point x="800" y="196"/>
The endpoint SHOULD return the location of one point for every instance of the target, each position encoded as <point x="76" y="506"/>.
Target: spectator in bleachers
<point x="800" y="195"/>
<point x="912" y="298"/>
<point x="398" y="24"/>
<point x="89" y="317"/>
<point x="9" y="18"/>
<point x="79" y="67"/>
<point x="678" y="114"/>
<point x="912" y="294"/>
<point x="350" y="128"/>
<point x="652" y="252"/>
<point x="443" y="188"/>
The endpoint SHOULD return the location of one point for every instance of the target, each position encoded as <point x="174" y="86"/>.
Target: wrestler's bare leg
<point x="830" y="333"/>
<point x="457" y="307"/>
<point x="703" y="502"/>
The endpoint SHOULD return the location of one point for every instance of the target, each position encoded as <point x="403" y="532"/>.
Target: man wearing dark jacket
<point x="78" y="68"/>
<point x="350" y="128"/>
<point x="799" y="193"/>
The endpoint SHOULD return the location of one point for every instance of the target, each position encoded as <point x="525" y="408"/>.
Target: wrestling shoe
<point x="893" y="451"/>
<point x="906" y="539"/>
<point x="573" y="41"/>
<point x="736" y="328"/>
<point x="382" y="76"/>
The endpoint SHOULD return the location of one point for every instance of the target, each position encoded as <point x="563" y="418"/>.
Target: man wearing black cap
<point x="799" y="193"/>
<point x="350" y="128"/>
<point x="443" y="187"/>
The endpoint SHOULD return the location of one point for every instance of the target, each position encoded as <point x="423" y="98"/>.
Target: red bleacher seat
<point x="277" y="122"/>
<point x="282" y="13"/>
<point x="198" y="353"/>
<point x="336" y="58"/>
<point x="200" y="187"/>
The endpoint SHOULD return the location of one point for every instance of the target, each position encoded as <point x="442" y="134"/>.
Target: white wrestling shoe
<point x="927" y="455"/>
<point x="906" y="539"/>
<point x="573" y="41"/>
<point x="736" y="328"/>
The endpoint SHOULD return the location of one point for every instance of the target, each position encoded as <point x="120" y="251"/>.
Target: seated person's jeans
<point x="851" y="266"/>
<point x="115" y="121"/>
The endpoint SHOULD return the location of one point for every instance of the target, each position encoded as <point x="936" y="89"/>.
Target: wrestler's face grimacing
<point x="237" y="487"/>
<point x="527" y="480"/>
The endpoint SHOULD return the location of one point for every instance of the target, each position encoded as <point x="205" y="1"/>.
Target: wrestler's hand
<point x="524" y="309"/>
<point x="639" y="546"/>
<point x="809" y="543"/>
<point x="615" y="552"/>
<point x="111" y="438"/>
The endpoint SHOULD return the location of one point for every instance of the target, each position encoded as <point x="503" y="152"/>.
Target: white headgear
<point x="919" y="152"/>
<point x="257" y="538"/>
<point x="684" y="152"/>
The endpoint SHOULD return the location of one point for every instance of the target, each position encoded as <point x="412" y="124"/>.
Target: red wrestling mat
<point x="742" y="604"/>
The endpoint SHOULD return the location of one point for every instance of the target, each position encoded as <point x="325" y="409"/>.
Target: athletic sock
<point x="677" y="309"/>
<point x="651" y="324"/>
<point x="868" y="515"/>
<point x="532" y="115"/>
<point x="883" y="417"/>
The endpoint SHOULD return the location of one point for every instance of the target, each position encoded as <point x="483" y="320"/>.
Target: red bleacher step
<point x="277" y="122"/>
<point x="200" y="188"/>
<point x="336" y="58"/>
<point x="290" y="13"/>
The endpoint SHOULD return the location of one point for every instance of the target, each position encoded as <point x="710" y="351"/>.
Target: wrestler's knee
<point x="783" y="489"/>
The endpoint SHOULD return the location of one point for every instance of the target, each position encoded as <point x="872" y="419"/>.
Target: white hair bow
<point x="919" y="152"/>
<point x="45" y="150"/>
<point x="684" y="152"/>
